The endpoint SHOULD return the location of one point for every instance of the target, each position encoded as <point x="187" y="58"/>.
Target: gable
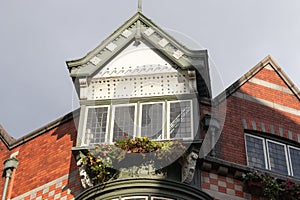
<point x="136" y="30"/>
<point x="268" y="85"/>
<point x="138" y="71"/>
<point x="135" y="60"/>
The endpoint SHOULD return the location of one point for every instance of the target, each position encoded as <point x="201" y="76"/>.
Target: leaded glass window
<point x="273" y="155"/>
<point x="255" y="152"/>
<point x="124" y="121"/>
<point x="295" y="161"/>
<point x="277" y="157"/>
<point x="157" y="120"/>
<point x="152" y="120"/>
<point x="180" y="119"/>
<point x="96" y="125"/>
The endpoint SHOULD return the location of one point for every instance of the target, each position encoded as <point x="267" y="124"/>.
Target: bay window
<point x="162" y="120"/>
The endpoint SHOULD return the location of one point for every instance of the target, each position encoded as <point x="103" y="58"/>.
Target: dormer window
<point x="140" y="91"/>
<point x="161" y="120"/>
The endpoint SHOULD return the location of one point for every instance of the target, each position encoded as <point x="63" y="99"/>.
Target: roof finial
<point x="140" y="6"/>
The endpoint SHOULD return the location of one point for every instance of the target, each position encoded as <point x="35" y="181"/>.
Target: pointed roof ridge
<point x="247" y="76"/>
<point x="125" y="34"/>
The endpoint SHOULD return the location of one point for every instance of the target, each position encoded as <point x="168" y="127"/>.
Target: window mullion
<point x="290" y="161"/>
<point x="167" y="120"/>
<point x="138" y="120"/>
<point x="287" y="160"/>
<point x="110" y="124"/>
<point x="266" y="154"/>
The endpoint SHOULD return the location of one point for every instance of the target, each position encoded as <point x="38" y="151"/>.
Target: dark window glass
<point x="277" y="157"/>
<point x="180" y="120"/>
<point x="255" y="152"/>
<point x="295" y="161"/>
<point x="96" y="125"/>
<point x="152" y="120"/>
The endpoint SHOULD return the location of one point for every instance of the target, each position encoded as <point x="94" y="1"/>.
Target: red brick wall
<point x="232" y="144"/>
<point x="45" y="159"/>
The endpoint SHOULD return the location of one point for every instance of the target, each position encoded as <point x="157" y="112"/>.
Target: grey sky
<point x="37" y="37"/>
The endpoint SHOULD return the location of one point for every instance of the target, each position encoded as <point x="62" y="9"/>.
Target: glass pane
<point x="135" y="198"/>
<point x="295" y="161"/>
<point x="123" y="122"/>
<point x="277" y="157"/>
<point x="255" y="152"/>
<point x="160" y="198"/>
<point x="96" y="125"/>
<point x="180" y="120"/>
<point x="152" y="120"/>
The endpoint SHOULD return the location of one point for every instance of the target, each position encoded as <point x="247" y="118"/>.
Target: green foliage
<point x="101" y="163"/>
<point x="273" y="188"/>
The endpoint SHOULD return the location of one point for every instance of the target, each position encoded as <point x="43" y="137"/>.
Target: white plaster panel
<point x="135" y="60"/>
<point x="138" y="86"/>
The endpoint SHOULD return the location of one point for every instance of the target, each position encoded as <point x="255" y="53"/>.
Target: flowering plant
<point x="273" y="188"/>
<point x="101" y="162"/>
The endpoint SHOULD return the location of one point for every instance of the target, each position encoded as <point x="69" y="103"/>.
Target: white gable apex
<point x="135" y="60"/>
<point x="138" y="71"/>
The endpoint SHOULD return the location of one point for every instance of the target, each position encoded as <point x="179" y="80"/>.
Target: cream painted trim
<point x="269" y="67"/>
<point x="270" y="85"/>
<point x="266" y="103"/>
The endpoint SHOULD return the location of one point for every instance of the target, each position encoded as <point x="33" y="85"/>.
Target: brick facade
<point x="47" y="168"/>
<point x="263" y="101"/>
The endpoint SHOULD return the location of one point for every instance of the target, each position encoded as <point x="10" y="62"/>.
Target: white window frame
<point x="113" y="119"/>
<point x="84" y="133"/>
<point x="163" y="117"/>
<point x="287" y="147"/>
<point x="264" y="149"/>
<point x="137" y="120"/>
<point x="290" y="159"/>
<point x="168" y="119"/>
<point x="285" y="152"/>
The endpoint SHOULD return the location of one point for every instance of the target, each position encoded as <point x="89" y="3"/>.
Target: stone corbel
<point x="86" y="181"/>
<point x="188" y="164"/>
<point x="83" y="88"/>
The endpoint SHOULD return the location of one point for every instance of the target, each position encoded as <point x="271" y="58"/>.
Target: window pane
<point x="255" y="152"/>
<point x="123" y="122"/>
<point x="160" y="198"/>
<point x="277" y="157"/>
<point x="180" y="120"/>
<point x="295" y="161"/>
<point x="96" y="125"/>
<point x="135" y="198"/>
<point x="152" y="120"/>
